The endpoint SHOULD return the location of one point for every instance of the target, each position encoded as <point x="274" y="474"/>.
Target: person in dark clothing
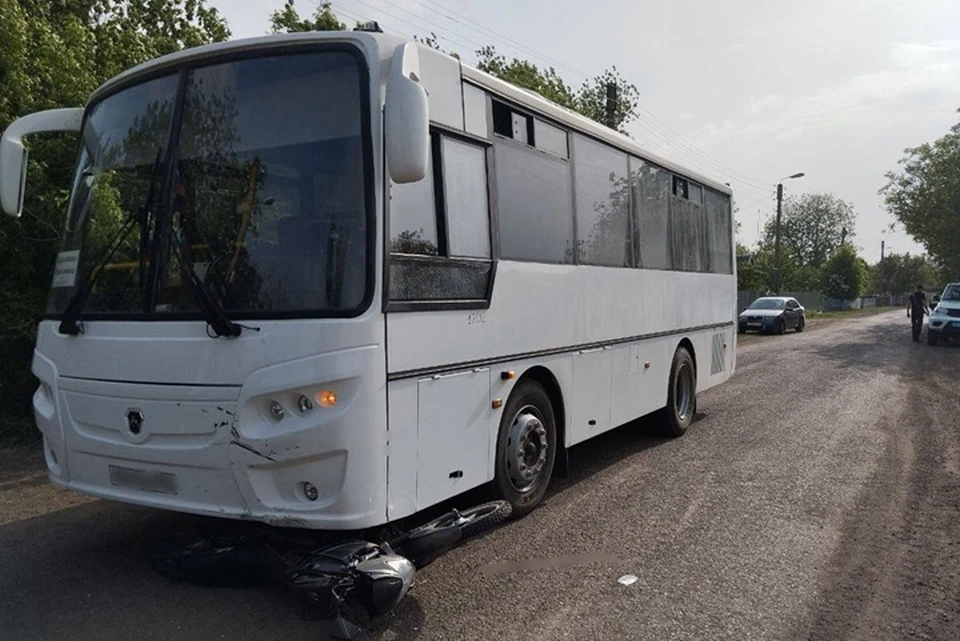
<point x="916" y="308"/>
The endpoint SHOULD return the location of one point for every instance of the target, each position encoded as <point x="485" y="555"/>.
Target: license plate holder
<point x="143" y="480"/>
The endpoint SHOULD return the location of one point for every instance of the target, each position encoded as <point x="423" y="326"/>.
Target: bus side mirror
<point x="406" y="118"/>
<point x="13" y="155"/>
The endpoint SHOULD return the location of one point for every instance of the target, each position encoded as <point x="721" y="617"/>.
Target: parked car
<point x="772" y="314"/>
<point x="944" y="321"/>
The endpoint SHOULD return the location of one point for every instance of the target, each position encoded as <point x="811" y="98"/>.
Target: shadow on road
<point x="84" y="573"/>
<point x="601" y="452"/>
<point x="897" y="350"/>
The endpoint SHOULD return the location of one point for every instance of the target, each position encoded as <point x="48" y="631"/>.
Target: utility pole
<point x="776" y="243"/>
<point x="882" y="243"/>
<point x="610" y="114"/>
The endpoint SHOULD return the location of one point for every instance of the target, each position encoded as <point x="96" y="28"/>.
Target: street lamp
<point x="776" y="246"/>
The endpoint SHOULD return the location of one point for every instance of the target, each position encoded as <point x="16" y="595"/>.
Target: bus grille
<point x="717" y="363"/>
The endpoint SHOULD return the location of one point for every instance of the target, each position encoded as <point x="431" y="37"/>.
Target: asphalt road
<point x="817" y="497"/>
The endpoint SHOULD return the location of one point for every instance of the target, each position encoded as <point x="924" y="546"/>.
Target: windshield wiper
<point x="70" y="324"/>
<point x="212" y="312"/>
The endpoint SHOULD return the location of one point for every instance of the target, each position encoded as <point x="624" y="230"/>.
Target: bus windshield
<point x="252" y="170"/>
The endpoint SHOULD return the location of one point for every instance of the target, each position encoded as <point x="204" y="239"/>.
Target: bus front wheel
<point x="681" y="407"/>
<point x="526" y="448"/>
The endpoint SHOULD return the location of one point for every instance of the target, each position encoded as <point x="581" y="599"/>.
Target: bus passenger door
<point x="455" y="418"/>
<point x="591" y="394"/>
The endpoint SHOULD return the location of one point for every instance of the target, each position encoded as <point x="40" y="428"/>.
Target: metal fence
<point x="810" y="300"/>
<point x="816" y="301"/>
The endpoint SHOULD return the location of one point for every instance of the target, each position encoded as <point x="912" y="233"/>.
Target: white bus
<point x="328" y="280"/>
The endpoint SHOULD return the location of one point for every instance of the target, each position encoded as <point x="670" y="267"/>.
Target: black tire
<point x="471" y="521"/>
<point x="932" y="338"/>
<point x="801" y="323"/>
<point x="741" y="330"/>
<point x="521" y="479"/>
<point x="781" y="326"/>
<point x="676" y="417"/>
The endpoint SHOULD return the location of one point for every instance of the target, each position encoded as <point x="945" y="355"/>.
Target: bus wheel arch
<point x="528" y="441"/>
<point x="688" y="345"/>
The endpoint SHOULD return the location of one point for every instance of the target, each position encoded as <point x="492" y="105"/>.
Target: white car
<point x="944" y="321"/>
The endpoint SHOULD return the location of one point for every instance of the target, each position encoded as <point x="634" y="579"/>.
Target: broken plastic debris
<point x="627" y="579"/>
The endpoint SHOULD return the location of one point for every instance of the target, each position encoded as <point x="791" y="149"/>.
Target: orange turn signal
<point x="326" y="398"/>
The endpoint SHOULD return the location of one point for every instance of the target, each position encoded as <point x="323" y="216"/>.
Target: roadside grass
<point x="817" y="315"/>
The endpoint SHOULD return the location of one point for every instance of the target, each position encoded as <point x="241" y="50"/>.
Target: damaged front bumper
<point x="220" y="450"/>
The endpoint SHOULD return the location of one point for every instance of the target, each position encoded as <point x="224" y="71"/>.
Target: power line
<point x="758" y="201"/>
<point x="670" y="149"/>
<point x="650" y="122"/>
<point x="359" y="18"/>
<point x="415" y="26"/>
<point x="703" y="159"/>
<point x="490" y="33"/>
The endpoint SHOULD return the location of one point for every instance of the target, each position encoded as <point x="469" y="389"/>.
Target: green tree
<point x="844" y="275"/>
<point x="901" y="273"/>
<point x="750" y="273"/>
<point x="523" y="73"/>
<point x="54" y="53"/>
<point x="287" y="20"/>
<point x="590" y="100"/>
<point x="924" y="197"/>
<point x="812" y="228"/>
<point x="759" y="273"/>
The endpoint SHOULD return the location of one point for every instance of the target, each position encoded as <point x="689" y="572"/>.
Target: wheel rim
<point x="527" y="449"/>
<point x="683" y="392"/>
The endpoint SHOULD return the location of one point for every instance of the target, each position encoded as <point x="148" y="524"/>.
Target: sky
<point x="745" y="91"/>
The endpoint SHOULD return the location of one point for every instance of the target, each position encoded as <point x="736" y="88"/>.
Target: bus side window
<point x="512" y="124"/>
<point x="413" y="216"/>
<point x="441" y="247"/>
<point x="467" y="204"/>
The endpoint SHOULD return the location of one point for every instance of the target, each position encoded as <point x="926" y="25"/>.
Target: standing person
<point x="916" y="308"/>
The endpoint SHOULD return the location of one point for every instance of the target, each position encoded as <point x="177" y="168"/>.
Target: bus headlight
<point x="304" y="404"/>
<point x="310" y="491"/>
<point x="276" y="411"/>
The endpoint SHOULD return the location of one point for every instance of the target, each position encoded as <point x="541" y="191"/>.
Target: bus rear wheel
<point x="681" y="407"/>
<point x="526" y="448"/>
